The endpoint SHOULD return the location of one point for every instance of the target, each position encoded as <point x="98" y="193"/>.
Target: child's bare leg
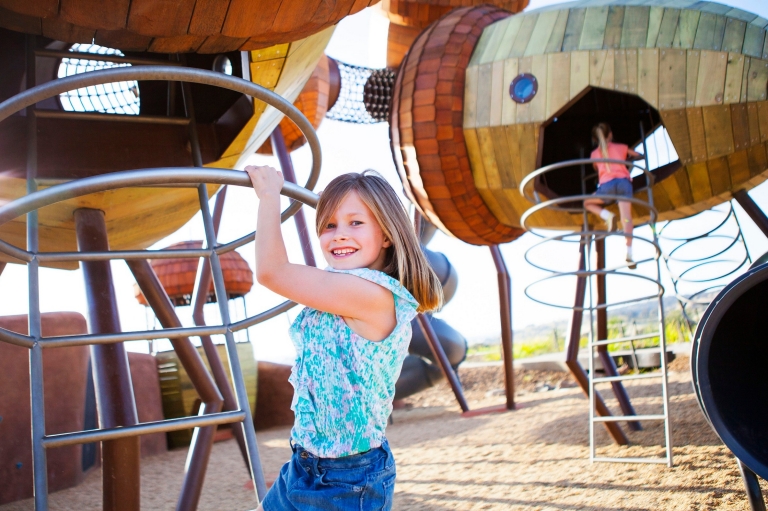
<point x="625" y="208"/>
<point x="593" y="206"/>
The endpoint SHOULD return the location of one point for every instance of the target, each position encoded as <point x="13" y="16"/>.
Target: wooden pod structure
<point x="427" y="134"/>
<point x="699" y="69"/>
<point x="180" y="398"/>
<point x="178" y="276"/>
<point x="176" y="27"/>
<point x="316" y="98"/>
<point x="407" y="18"/>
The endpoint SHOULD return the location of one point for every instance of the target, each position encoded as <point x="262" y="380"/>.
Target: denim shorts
<point x="361" y="482"/>
<point x="619" y="186"/>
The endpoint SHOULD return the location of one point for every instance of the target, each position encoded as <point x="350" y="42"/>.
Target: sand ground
<point x="535" y="458"/>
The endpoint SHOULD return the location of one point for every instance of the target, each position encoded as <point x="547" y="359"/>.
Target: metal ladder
<point x="591" y="279"/>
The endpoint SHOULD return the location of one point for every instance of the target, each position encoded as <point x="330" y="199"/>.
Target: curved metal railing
<point x="198" y="177"/>
<point x="695" y="292"/>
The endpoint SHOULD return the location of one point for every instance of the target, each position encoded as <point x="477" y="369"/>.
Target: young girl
<point x="613" y="179"/>
<point x="350" y="339"/>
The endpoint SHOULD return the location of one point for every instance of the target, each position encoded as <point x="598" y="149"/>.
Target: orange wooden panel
<point x="738" y="167"/>
<point x="59" y="30"/>
<point x="98" y="14"/>
<point x="208" y="17"/>
<point x="719" y="176"/>
<point x="160" y="18"/>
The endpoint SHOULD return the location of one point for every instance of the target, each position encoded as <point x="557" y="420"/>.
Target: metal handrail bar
<point x="606" y="342"/>
<point x="548" y="204"/>
<point x="144" y="428"/>
<point x="78" y="55"/>
<point x="734" y="240"/>
<point x="665" y="460"/>
<point x="264" y="316"/>
<point x="727" y="217"/>
<point x="172" y="253"/>
<point x="650" y="178"/>
<point x="681" y="277"/>
<point x="643" y="376"/>
<point x="630" y="418"/>
<point x="93" y="116"/>
<point x="145" y="335"/>
<point x="16" y="339"/>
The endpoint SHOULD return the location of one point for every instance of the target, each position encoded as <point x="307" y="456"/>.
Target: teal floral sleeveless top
<point x="344" y="384"/>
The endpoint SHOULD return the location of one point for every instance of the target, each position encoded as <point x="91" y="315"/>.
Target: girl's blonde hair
<point x="600" y="136"/>
<point x="404" y="259"/>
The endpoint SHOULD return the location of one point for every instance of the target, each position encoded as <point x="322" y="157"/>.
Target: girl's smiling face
<point x="352" y="238"/>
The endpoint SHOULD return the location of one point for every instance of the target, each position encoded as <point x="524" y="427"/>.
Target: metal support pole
<point x="505" y="313"/>
<point x="286" y="165"/>
<point x="36" y="394"/>
<point x="199" y="298"/>
<point x="111" y="372"/>
<point x="442" y="360"/>
<point x="752" y="485"/>
<point x="202" y="438"/>
<point x="572" y="351"/>
<point x="609" y="366"/>
<point x="241" y="393"/>
<point x="752" y="209"/>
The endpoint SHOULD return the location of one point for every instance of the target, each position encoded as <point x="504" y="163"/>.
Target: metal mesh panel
<point x="109" y="98"/>
<point x="364" y="96"/>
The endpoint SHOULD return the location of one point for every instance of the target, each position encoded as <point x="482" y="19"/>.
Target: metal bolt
<point x="19" y="465"/>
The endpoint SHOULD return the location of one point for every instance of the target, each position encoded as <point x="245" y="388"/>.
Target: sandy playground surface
<point x="535" y="458"/>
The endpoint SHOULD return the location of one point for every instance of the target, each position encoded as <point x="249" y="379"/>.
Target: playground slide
<point x="420" y="369"/>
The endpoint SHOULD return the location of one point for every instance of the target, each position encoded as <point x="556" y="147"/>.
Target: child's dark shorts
<point x="619" y="186"/>
<point x="361" y="482"/>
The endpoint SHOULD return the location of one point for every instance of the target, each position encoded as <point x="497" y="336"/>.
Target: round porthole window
<point x="523" y="88"/>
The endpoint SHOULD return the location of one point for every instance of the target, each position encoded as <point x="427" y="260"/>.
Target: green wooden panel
<point x="705" y="33"/>
<point x="573" y="29"/>
<point x="555" y="42"/>
<point x="754" y="38"/>
<point x="713" y="7"/>
<point x="740" y="14"/>
<point x="733" y="39"/>
<point x="635" y="29"/>
<point x="668" y="28"/>
<point x="686" y="29"/>
<point x="541" y="33"/>
<point x="497" y="32"/>
<point x="593" y="34"/>
<point x="523" y="36"/>
<point x="654" y="26"/>
<point x="613" y="27"/>
<point x="510" y="33"/>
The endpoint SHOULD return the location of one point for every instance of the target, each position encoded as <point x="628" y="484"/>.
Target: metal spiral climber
<point x="591" y="276"/>
<point x="702" y="264"/>
<point x="364" y="95"/>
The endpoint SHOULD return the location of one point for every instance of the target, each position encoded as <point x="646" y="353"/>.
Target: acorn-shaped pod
<point x="427" y="134"/>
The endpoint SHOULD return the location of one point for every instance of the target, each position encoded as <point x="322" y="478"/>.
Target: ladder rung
<point x="664" y="461"/>
<point x="603" y="342"/>
<point x="627" y="377"/>
<point x="630" y="418"/>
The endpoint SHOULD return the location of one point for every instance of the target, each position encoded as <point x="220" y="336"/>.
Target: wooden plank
<point x="523" y="36"/>
<point x="558" y="89"/>
<point x="593" y="34"/>
<point x="648" y="75"/>
<point x="740" y="125"/>
<point x="684" y="184"/>
<point x="160" y="19"/>
<point x="484" y="78"/>
<point x="672" y="83"/>
<point x="497" y="92"/>
<point x="667" y="28"/>
<point x="672" y="189"/>
<point x="654" y="26"/>
<point x="273" y="52"/>
<point x="719" y="175"/>
<point x="734" y="73"/>
<point x="208" y="17"/>
<point x="710" y="85"/>
<point x="754" y="124"/>
<point x="579" y="72"/>
<point x="691" y="76"/>
<point x="481" y="45"/>
<point x="493" y="178"/>
<point x="97" y="14"/>
<point x="545" y="24"/>
<point x="505" y="44"/>
<point x="756" y="158"/>
<point x="741" y="15"/>
<point x="54" y="28"/>
<point x="38" y="9"/>
<point x="178" y="44"/>
<point x="523" y="114"/>
<point x="718" y="130"/>
<point x="634" y="32"/>
<point x="632" y="70"/>
<point x="733" y="40"/>
<point x="738" y="167"/>
<point x="573" y="29"/>
<point x="528" y="147"/>
<point x="555" y="42"/>
<point x="512" y="134"/>
<point x="508" y="106"/>
<point x="705" y="32"/>
<point x="762" y="117"/>
<point x="266" y="73"/>
<point x="596" y="66"/>
<point x="757" y="80"/>
<point x="497" y="32"/>
<point x="676" y="122"/>
<point x="696" y="134"/>
<point x="698" y="177"/>
<point x="613" y="27"/>
<point x="504" y="157"/>
<point x="470" y="97"/>
<point x="744" y="78"/>
<point x="686" y="29"/>
<point x="754" y="39"/>
<point x="538" y="105"/>
<point x="242" y="21"/>
<point x="621" y="74"/>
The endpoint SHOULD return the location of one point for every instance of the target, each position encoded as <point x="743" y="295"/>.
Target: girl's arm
<point x="367" y="307"/>
<point x="634" y="155"/>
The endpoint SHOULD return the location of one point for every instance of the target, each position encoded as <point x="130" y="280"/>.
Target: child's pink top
<point x="609" y="171"/>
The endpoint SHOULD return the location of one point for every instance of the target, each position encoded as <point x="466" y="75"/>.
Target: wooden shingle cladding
<point x="703" y="66"/>
<point x="202" y="26"/>
<point x="426" y="129"/>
